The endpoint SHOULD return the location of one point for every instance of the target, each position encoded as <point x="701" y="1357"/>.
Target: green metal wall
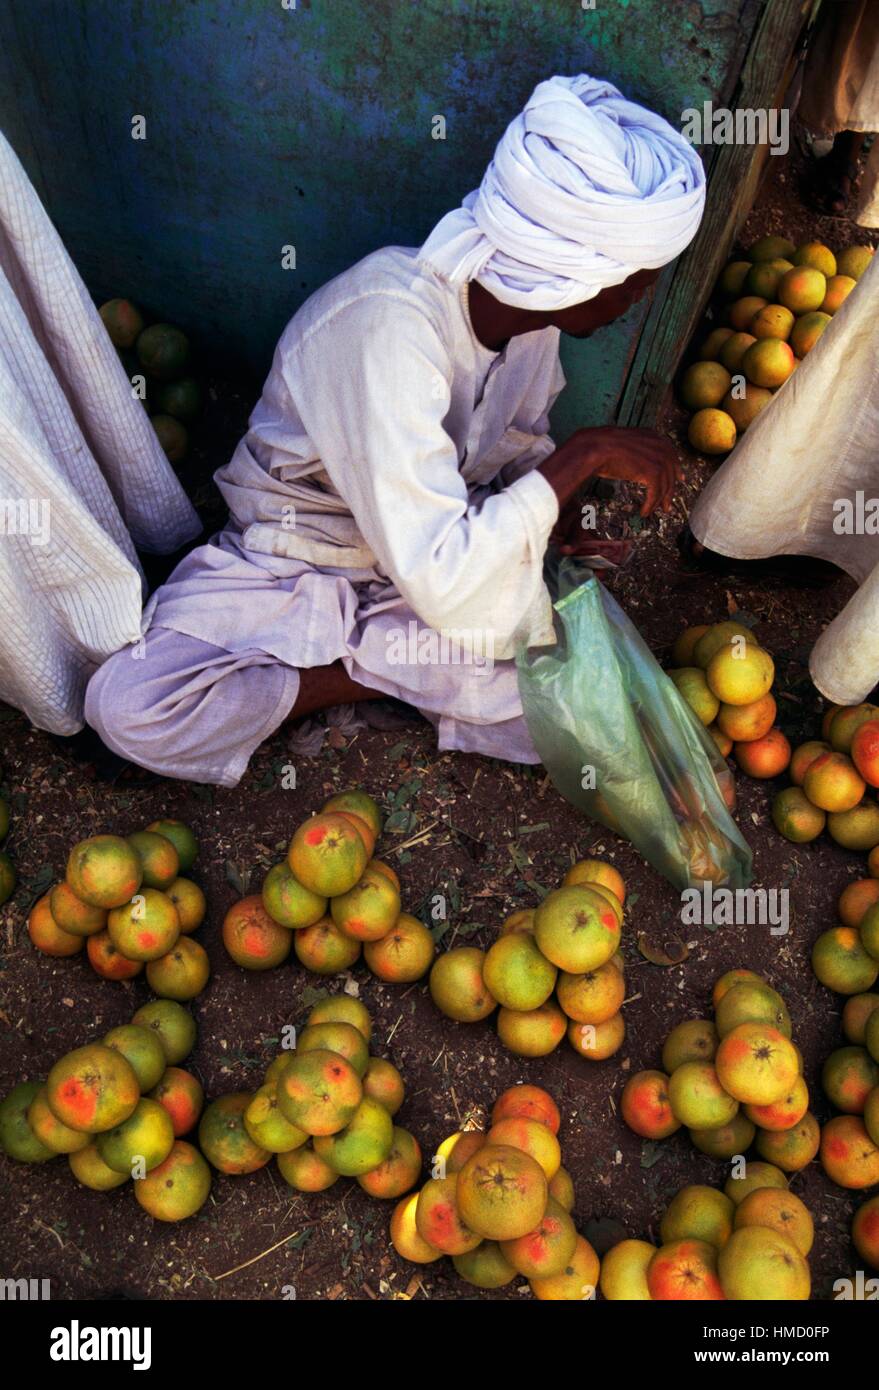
<point x="310" y="126"/>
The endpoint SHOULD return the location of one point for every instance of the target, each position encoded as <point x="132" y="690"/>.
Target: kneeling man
<point x="392" y="501"/>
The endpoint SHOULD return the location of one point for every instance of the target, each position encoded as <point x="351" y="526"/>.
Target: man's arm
<point x="634" y="455"/>
<point x="372" y="390"/>
<point x="640" y="456"/>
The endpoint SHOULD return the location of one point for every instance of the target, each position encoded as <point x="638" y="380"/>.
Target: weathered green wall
<point x="309" y="126"/>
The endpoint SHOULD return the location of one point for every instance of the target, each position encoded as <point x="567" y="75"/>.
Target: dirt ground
<point x="492" y="837"/>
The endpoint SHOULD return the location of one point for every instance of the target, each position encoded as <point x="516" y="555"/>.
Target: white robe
<point x="780" y="491"/>
<point x="387" y="482"/>
<point x="407" y="450"/>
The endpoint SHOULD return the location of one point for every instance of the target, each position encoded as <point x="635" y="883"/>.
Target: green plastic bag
<point x="620" y="743"/>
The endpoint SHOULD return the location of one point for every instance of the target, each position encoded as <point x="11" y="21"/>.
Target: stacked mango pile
<point x="325" y="1111"/>
<point x="750" y="1241"/>
<point x="499" y="1204"/>
<point x="160" y="356"/>
<point x="733" y="1082"/>
<point x="330" y="901"/>
<point x="831" y="776"/>
<point x="125" y="901"/>
<point x="776" y="304"/>
<point x="850" y="1141"/>
<point x="555" y="971"/>
<point x="726" y="678"/>
<point x="845" y="958"/>
<point x="117" y="1109"/>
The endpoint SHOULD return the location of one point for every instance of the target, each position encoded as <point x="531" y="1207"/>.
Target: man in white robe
<point x="393" y="498"/>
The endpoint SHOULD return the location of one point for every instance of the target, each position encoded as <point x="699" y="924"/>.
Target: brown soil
<point x="490" y="837"/>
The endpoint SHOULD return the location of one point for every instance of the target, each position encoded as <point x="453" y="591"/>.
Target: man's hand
<point x="636" y="456"/>
<point x="640" y="456"/>
<point x="579" y="544"/>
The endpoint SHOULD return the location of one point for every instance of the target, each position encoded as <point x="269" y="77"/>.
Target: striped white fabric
<point x="83" y="479"/>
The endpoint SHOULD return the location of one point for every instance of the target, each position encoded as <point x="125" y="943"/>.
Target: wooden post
<point x="681" y="297"/>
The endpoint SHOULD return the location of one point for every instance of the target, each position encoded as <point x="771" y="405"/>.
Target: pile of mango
<point x="726" y="678"/>
<point x="324" y="1111"/>
<point x="126" y="902"/>
<point x="845" y="957"/>
<point x="850" y="1141"/>
<point x="773" y="305"/>
<point x="159" y="356"/>
<point x="330" y="901"/>
<point x="555" y="971"/>
<point x="499" y="1205"/>
<point x="750" y="1241"/>
<point x="834" y="780"/>
<point x="117" y="1110"/>
<point x="732" y="1081"/>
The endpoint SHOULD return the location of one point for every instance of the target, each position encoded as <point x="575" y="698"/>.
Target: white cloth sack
<point x="83" y="479"/>
<point x="815" y="445"/>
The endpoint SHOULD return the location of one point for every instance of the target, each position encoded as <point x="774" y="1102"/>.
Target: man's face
<point x="581" y="320"/>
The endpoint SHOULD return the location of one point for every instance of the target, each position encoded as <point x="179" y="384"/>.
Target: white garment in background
<point x="80" y="460"/>
<point x="867" y="214"/>
<point x="776" y="494"/>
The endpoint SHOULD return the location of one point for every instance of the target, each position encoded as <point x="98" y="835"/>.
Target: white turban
<point x="584" y="189"/>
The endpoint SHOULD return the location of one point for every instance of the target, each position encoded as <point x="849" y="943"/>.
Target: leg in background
<point x="837" y="171"/>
